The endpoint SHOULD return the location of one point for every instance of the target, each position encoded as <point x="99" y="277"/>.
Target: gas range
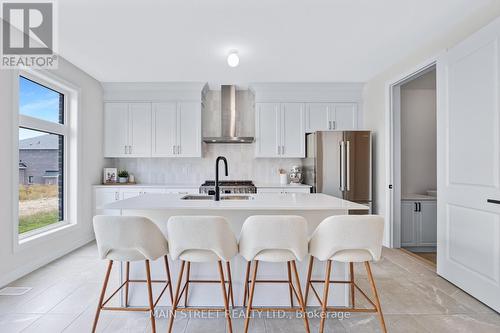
<point x="228" y="187"/>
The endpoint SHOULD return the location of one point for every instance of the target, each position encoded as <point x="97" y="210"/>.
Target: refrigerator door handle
<point x="348" y="167"/>
<point x="342" y="165"/>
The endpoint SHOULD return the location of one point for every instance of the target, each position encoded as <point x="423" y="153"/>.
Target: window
<point x="42" y="144"/>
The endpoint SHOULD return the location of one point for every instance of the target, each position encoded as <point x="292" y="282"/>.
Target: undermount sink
<point x="211" y="197"/>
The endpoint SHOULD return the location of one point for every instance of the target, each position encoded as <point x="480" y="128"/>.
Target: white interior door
<point x="468" y="165"/>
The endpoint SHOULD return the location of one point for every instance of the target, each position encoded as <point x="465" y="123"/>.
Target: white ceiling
<point x="278" y="41"/>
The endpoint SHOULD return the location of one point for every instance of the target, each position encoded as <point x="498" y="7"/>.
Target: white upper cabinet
<point x="292" y="130"/>
<point x="177" y="129"/>
<point x="331" y="116"/>
<point x="267" y="129"/>
<point x="139" y="130"/>
<point x="164" y="129"/>
<point x="189" y="129"/>
<point x="279" y="130"/>
<point x="127" y="130"/>
<point x="317" y="117"/>
<point x="344" y="116"/>
<point x="116" y="129"/>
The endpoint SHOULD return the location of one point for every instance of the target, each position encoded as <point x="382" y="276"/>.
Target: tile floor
<point x="414" y="299"/>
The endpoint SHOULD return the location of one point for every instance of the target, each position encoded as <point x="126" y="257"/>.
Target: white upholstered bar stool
<point x="278" y="239"/>
<point x="126" y="239"/>
<point x="196" y="239"/>
<point x="349" y="239"/>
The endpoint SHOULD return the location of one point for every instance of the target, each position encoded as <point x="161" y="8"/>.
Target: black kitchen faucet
<point x="217" y="190"/>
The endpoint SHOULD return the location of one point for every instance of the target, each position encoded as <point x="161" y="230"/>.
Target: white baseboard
<point x="26" y="269"/>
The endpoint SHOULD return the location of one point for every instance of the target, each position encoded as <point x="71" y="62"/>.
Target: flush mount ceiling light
<point x="233" y="59"/>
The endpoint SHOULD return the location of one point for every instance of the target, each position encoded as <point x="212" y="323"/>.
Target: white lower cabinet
<point x="418" y="223"/>
<point x="106" y="195"/>
<point x="283" y="190"/>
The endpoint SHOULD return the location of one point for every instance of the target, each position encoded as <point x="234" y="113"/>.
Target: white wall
<point x="374" y="96"/>
<point x="241" y="161"/>
<point x="14" y="264"/>
<point x="418" y="134"/>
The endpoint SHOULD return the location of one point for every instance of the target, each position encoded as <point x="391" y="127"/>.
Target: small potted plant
<point x="123" y="176"/>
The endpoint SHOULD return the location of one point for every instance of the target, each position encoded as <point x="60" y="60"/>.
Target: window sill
<point x="43" y="234"/>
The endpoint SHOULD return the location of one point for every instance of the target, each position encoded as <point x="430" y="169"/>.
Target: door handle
<point x="130" y="149"/>
<point x="125" y="147"/>
<point x="279" y="150"/>
<point x="342" y="166"/>
<point x="329" y="124"/>
<point x="173" y="149"/>
<point x="282" y="150"/>
<point x="493" y="201"/>
<point x="333" y="124"/>
<point x="348" y="167"/>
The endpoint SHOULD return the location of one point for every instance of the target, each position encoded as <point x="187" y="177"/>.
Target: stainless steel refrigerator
<point x="339" y="163"/>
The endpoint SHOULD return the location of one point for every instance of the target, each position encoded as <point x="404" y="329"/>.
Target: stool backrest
<point x="273" y="232"/>
<point x="115" y="233"/>
<point x="348" y="232"/>
<point x="209" y="233"/>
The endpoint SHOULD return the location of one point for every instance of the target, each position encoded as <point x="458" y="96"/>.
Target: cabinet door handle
<point x="493" y="201"/>
<point x="419" y="206"/>
<point x="329" y="124"/>
<point x="117" y="196"/>
<point x="178" y="149"/>
<point x="282" y="150"/>
<point x="173" y="150"/>
<point x="416" y="207"/>
<point x="125" y="147"/>
<point x="279" y="149"/>
<point x="130" y="149"/>
<point x="333" y="125"/>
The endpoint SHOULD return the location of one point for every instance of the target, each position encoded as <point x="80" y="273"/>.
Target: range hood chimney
<point x="229" y="118"/>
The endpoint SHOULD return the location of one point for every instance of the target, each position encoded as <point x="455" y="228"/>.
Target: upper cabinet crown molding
<point x="153" y="91"/>
<point x="308" y="92"/>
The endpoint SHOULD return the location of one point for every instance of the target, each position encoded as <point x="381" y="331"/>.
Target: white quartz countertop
<point x="278" y="185"/>
<point x="260" y="201"/>
<point x="152" y="185"/>
<point x="417" y="197"/>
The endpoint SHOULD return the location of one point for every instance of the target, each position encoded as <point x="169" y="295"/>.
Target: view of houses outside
<point x="40" y="159"/>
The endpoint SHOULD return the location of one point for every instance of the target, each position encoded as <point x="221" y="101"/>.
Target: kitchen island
<point x="313" y="207"/>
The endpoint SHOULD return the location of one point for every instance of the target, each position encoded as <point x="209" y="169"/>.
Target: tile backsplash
<point x="242" y="164"/>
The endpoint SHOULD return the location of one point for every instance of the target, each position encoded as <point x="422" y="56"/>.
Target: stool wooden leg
<point x="224" y="296"/>
<point x="228" y="268"/>
<point x="250" y="296"/>
<point x="169" y="281"/>
<point x="351" y="275"/>
<point x="308" y="283"/>
<point x="245" y="294"/>
<point x="176" y="297"/>
<point x="150" y="296"/>
<point x="290" y="283"/>
<point x="101" y="297"/>
<point x="188" y="271"/>
<point x="301" y="299"/>
<point x="377" y="300"/>
<point x="127" y="277"/>
<point x="325" y="296"/>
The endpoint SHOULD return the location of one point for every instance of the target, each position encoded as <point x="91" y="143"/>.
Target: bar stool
<point x="349" y="239"/>
<point x="196" y="239"/>
<point x="126" y="239"/>
<point x="274" y="238"/>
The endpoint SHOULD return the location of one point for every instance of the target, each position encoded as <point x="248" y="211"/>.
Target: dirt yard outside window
<point x="38" y="206"/>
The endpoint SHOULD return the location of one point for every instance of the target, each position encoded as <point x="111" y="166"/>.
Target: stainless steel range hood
<point x="229" y="119"/>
